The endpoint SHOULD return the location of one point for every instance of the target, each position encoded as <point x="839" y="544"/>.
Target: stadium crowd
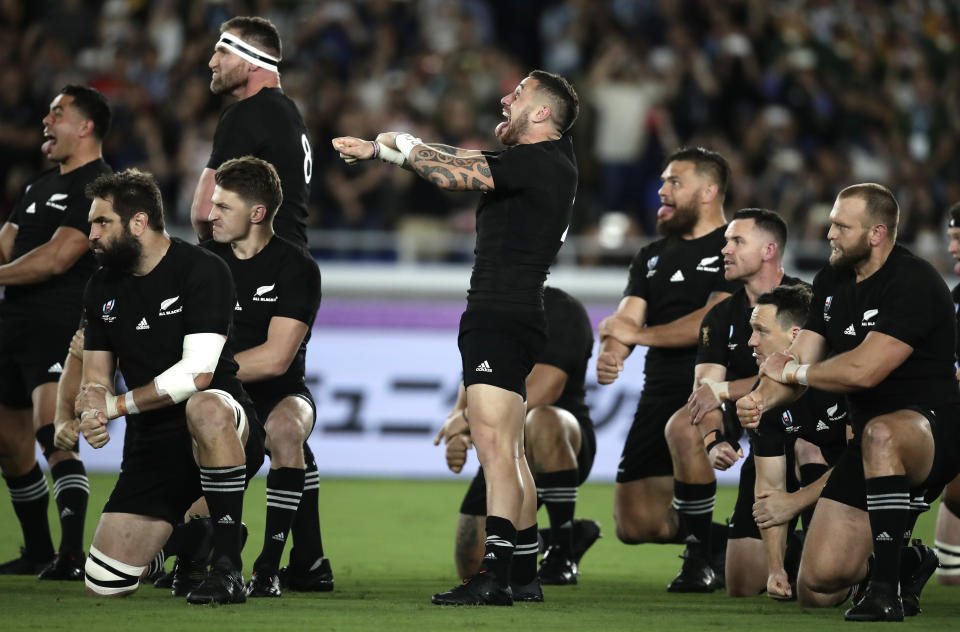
<point x="802" y="96"/>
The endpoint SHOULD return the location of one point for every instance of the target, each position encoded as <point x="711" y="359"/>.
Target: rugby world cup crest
<point x="826" y="308"/>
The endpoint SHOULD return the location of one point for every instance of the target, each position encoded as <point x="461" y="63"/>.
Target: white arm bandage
<point x="201" y="352"/>
<point x="405" y="144"/>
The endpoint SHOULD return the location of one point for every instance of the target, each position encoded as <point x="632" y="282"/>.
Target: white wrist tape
<point x="802" y="374"/>
<point x="387" y="154"/>
<point x="201" y="352"/>
<point x="406" y="142"/>
<point x="721" y="390"/>
<point x="112" y="412"/>
<point x="130" y="404"/>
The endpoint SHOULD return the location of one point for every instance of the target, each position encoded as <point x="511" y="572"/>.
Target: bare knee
<point x="807" y="452"/>
<point x="878" y="438"/>
<point x="547" y="440"/>
<point x="284" y="439"/>
<point x="208" y="417"/>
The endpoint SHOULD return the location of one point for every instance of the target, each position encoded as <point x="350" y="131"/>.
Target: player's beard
<point x="681" y="222"/>
<point x="123" y="254"/>
<point x="850" y="257"/>
<point x="226" y="83"/>
<point x="518" y="126"/>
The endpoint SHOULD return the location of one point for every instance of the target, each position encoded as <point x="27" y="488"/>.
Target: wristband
<point x="129" y="404"/>
<point x="719" y="438"/>
<point x="788" y="375"/>
<point x="721" y="390"/>
<point x="112" y="411"/>
<point x="387" y="154"/>
<point x="802" y="374"/>
<point x="406" y="142"/>
<point x="376" y="148"/>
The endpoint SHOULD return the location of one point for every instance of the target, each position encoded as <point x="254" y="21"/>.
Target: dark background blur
<point x="802" y="97"/>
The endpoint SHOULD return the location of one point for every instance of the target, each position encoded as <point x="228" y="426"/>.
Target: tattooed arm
<point x="449" y="172"/>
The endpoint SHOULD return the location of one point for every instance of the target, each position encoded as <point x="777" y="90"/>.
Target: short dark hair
<point x="792" y="303"/>
<point x="566" y="102"/>
<point x="766" y="220"/>
<point x="954" y="213"/>
<point x="706" y="163"/>
<point x="93" y="105"/>
<point x="254" y="180"/>
<point x="881" y="206"/>
<point x="257" y="30"/>
<point x="131" y="191"/>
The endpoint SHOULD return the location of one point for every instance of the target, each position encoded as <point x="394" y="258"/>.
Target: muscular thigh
<point x="131" y="538"/>
<point x="288" y="416"/>
<point x="746" y="567"/>
<point x="642" y="511"/>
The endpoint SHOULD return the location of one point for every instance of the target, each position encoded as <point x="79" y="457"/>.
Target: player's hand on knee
<point x="65" y="433"/>
<point x="608" y="367"/>
<point x="773" y="508"/>
<point x="93" y="425"/>
<point x="704" y="399"/>
<point x="778" y="586"/>
<point x="457" y="447"/>
<point x="749" y="410"/>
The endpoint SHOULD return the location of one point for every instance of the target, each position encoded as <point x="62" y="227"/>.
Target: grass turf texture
<point x="391" y="546"/>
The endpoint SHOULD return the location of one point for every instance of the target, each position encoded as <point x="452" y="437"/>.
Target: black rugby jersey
<point x="269" y="126"/>
<point x="675" y="277"/>
<point x="569" y="346"/>
<point x="51" y="201"/>
<point x="906" y="299"/>
<point x="724" y="333"/>
<point x="522" y="224"/>
<point x="956" y="309"/>
<point x="142" y="320"/>
<point x="283" y="281"/>
<point x="818" y="416"/>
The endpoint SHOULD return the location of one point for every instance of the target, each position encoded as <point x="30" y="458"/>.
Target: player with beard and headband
<point x="264" y="123"/>
<point x="44" y="264"/>
<point x="881" y="329"/>
<point x="160" y="310"/>
<point x="947" y="538"/>
<point x="672" y="284"/>
<point x="278" y="294"/>
<point x="724" y="370"/>
<point x="522" y="221"/>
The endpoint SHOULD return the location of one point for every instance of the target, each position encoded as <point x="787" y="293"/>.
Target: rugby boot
<point x="25" y="565"/>
<point x="263" y="585"/>
<point x="187" y="575"/>
<point x="858" y="590"/>
<point x="65" y="567"/>
<point x="912" y="580"/>
<point x="316" y="578"/>
<point x="718" y="560"/>
<point x="221" y="585"/>
<point x="585" y="532"/>
<point x="880" y="602"/>
<point x="557" y="568"/>
<point x="695" y="576"/>
<point x="164" y="579"/>
<point x="480" y="590"/>
<point x="529" y="593"/>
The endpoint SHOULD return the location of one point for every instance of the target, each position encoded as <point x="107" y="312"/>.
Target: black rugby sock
<point x="500" y="543"/>
<point x="558" y="490"/>
<point x="223" y="489"/>
<point x="284" y="488"/>
<point x="694" y="505"/>
<point x="523" y="569"/>
<point x="307" y="540"/>
<point x="71" y="489"/>
<point x="809" y="474"/>
<point x="30" y="500"/>
<point x="888" y="506"/>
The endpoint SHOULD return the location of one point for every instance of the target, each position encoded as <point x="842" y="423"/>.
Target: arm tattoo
<point x="449" y="172"/>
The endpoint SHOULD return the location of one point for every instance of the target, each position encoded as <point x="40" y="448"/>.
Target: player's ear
<point x="542" y="114"/>
<point x="138" y="223"/>
<point x="258" y="214"/>
<point x="85" y="128"/>
<point x="794" y="332"/>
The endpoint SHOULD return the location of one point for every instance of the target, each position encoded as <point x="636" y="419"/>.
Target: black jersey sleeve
<point x="209" y="297"/>
<point x="566" y="338"/>
<point x="513" y="168"/>
<point x="637" y="276"/>
<point x="912" y="303"/>
<point x="819" y="305"/>
<point x="712" y="342"/>
<point x="299" y="292"/>
<point x="94" y="329"/>
<point x="770" y="437"/>
<point x="236" y="135"/>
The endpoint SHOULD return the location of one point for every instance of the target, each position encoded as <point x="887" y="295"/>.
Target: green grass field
<point x="391" y="546"/>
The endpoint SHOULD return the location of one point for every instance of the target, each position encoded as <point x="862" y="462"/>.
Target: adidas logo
<point x="31" y="209"/>
<point x="238" y="308"/>
<point x="484" y="367"/>
<point x="143" y="325"/>
<point x="490" y="556"/>
<point x="677" y="277"/>
<point x="691" y="539"/>
<point x="56" y="367"/>
<point x="822" y="426"/>
<point x="850" y="331"/>
<point x="884" y="537"/>
<point x="279" y="537"/>
<point x="227" y="519"/>
<point x="67" y="512"/>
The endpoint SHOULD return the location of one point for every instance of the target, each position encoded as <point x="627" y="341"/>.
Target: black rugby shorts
<point x="31" y="354"/>
<point x="500" y="348"/>
<point x="645" y="452"/>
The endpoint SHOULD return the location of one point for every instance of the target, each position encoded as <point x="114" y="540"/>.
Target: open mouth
<point x="503" y="124"/>
<point x="666" y="211"/>
<point x="48" y="142"/>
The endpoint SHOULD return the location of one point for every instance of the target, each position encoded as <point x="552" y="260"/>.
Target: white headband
<point x="248" y="52"/>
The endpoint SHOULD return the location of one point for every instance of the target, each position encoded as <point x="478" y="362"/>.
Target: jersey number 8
<point x="307" y="159"/>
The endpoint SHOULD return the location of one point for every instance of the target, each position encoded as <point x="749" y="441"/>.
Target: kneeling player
<point x="162" y="309"/>
<point x="278" y="293"/>
<point x="560" y="444"/>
